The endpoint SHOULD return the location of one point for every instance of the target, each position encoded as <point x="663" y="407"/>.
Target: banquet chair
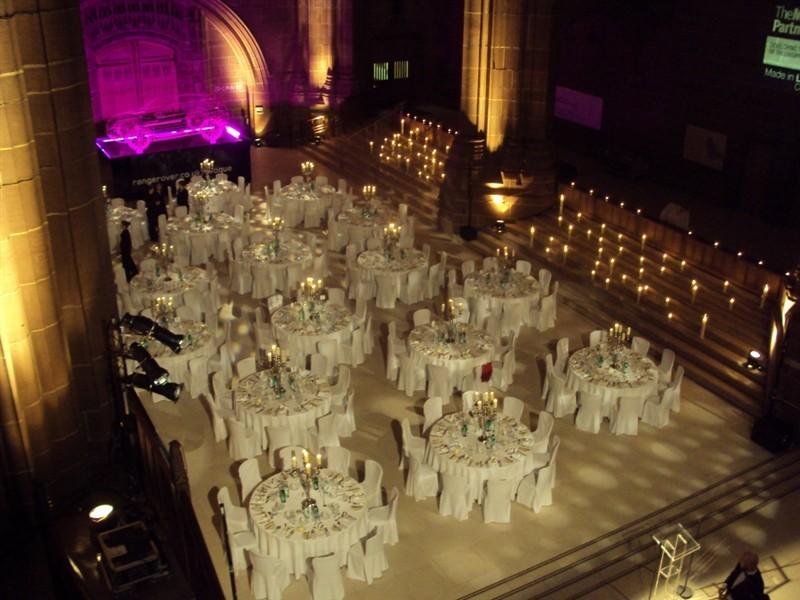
<point x="434" y="285"/>
<point x="263" y="286"/>
<point x="337" y="459"/>
<point x="181" y="212"/>
<point x="336" y="296"/>
<point x="242" y="442"/>
<point x="535" y="489"/>
<point x="546" y="317"/>
<point x="590" y="412"/>
<point x="198" y="376"/>
<point x="513" y="407"/>
<point x="222" y="363"/>
<point x="338" y="391"/>
<point x="218" y="418"/>
<point x="285" y="455"/>
<point x="512" y="318"/>
<point x="297" y="179"/>
<point x="479" y="311"/>
<point x="414" y="288"/>
<point x="597" y="337"/>
<point x="330" y="350"/>
<point x="625" y="415"/>
<point x="368" y="562"/>
<point x="385" y="518"/>
<point x="432" y="411"/>
<point x="412" y="444"/>
<point x="249" y="477"/>
<point x="227" y="317"/>
<point x="395" y="349"/>
<point x="320" y="181"/>
<point x="411" y="377"/>
<point x="240" y="538"/>
<point x="426" y="251"/>
<point x="387" y="290"/>
<point x="678" y="381"/>
<point x="422" y="480"/>
<point x="148" y="265"/>
<point x="453" y="287"/>
<point x="374" y="244"/>
<point x="439" y="383"/>
<point x="503" y="371"/>
<point x="462" y="309"/>
<point x="544" y="281"/>
<point x="351" y="255"/>
<point x="346" y="415"/>
<point x="657" y="407"/>
<point x="319" y="267"/>
<point x="277" y="438"/>
<point x="246" y="367"/>
<point x="468" y="400"/>
<point x="489" y="263"/>
<point x="318" y="365"/>
<point x="422" y="317"/>
<point x="198" y="248"/>
<point x="523" y="266"/>
<point x="223" y="396"/>
<point x="274" y="302"/>
<point x="640" y="345"/>
<point x="541" y="436"/>
<point x="193" y="305"/>
<point x="328" y="431"/>
<point x="665" y="367"/>
<point x="117" y="202"/>
<point x="241" y="279"/>
<point x="352" y="352"/>
<point x="467" y="268"/>
<point x="562" y="354"/>
<point x="276" y="187"/>
<point x="269" y="577"/>
<point x="560" y="400"/>
<point x="263" y="330"/>
<point x="369" y="339"/>
<point x="162" y="227"/>
<point x="497" y="501"/>
<point x="456" y="498"/>
<point x="373" y="476"/>
<point x="408" y="232"/>
<point x="325" y="578"/>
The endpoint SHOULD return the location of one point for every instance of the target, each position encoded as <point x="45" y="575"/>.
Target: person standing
<point x="152" y="204"/>
<point x="182" y="194"/>
<point x="745" y="581"/>
<point x="126" y="252"/>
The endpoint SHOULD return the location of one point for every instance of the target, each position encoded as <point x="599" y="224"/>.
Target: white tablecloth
<point x="173" y="283"/>
<point x="199" y="344"/>
<point x="192" y="230"/>
<point x="303" y="401"/>
<point x="283" y="530"/>
<point x="301" y="333"/>
<point x="363" y="221"/>
<point x="502" y="289"/>
<point x="296" y="200"/>
<point x="402" y="262"/>
<point x="428" y="345"/>
<point x="591" y="370"/>
<point x="212" y="196"/>
<point x="449" y="451"/>
<point x="290" y="254"/>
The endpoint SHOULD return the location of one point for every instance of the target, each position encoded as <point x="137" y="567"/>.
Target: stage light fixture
<point x="154" y="372"/>
<point x="100" y="512"/>
<point x="170" y="391"/>
<point x="148" y="327"/>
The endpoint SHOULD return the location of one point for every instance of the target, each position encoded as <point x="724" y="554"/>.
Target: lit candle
<point x="683" y="265"/>
<point x="731" y="303"/>
<point x="664" y="258"/>
<point x="644" y="239"/>
<point x="600" y="252"/>
<point x="608" y="282"/>
<point x="319" y="460"/>
<point x="569" y="233"/>
<point x="641" y="272"/>
<point x="603" y="228"/>
<point x="294" y="462"/>
<point x="560" y="219"/>
<point x="588" y="234"/>
<point x="669" y="316"/>
<point x="620" y="249"/>
<point x="564" y="258"/>
<point x="371" y="148"/>
<point x="764" y="294"/>
<point x="547" y="252"/>
<point x="593" y="275"/>
<point x="667" y="300"/>
<point x="639" y="294"/>
<point x="641" y="260"/>
<point x="695" y="287"/>
<point x="662" y="269"/>
<point x="703" y="323"/>
<point x="579" y="215"/>
<point x="725" y="285"/>
<point x="611" y="266"/>
<point x="533" y="234"/>
<point x="561" y="205"/>
<point x="624" y="278"/>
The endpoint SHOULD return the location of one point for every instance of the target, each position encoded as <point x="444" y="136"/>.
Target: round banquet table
<point x="304" y="400"/>
<point x="211" y="196"/>
<point x="199" y="344"/>
<point x="138" y="228"/>
<point x="449" y="451"/>
<point x="502" y="289"/>
<point x="283" y="531"/>
<point x="363" y="222"/>
<point x="298" y="201"/>
<point x="428" y="345"/>
<point x="300" y="336"/>
<point x="402" y="262"/>
<point x="290" y="254"/>
<point x="590" y="370"/>
<point x="173" y="283"/>
<point x="192" y="231"/>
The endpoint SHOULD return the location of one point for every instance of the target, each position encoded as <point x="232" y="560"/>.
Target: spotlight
<point x="754" y="361"/>
<point x="148" y="327"/>
<point x="500" y="226"/>
<point x="154" y="372"/>
<point x="100" y="512"/>
<point x="170" y="391"/>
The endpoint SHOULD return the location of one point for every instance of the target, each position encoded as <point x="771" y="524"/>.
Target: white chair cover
<point x="497" y="501"/>
<point x="269" y="577"/>
<point x="513" y="407"/>
<point x="432" y="410"/>
<point x="385" y="517"/>
<point x="325" y="578"/>
<point x="249" y="477"/>
<point x="590" y="412"/>
<point x="373" y="476"/>
<point x="541" y="437"/>
<point x="337" y="459"/>
<point x="456" y="498"/>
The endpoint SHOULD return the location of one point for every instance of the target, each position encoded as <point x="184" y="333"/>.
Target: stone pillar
<point x="505" y="59"/>
<point x="320" y="42"/>
<point x="55" y="275"/>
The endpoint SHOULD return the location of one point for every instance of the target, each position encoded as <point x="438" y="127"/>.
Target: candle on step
<point x="533" y="234"/>
<point x="703" y="323"/>
<point x="644" y="239"/>
<point x="725" y="285"/>
<point x="664" y="258"/>
<point x="561" y="205"/>
<point x="569" y="233"/>
<point x="662" y="269"/>
<point x="731" y="303"/>
<point x="608" y="282"/>
<point x="695" y="287"/>
<point x="588" y="234"/>
<point x="593" y="275"/>
<point x="611" y="266"/>
<point x="564" y="258"/>
<point x="683" y="265"/>
<point x="764" y="294"/>
<point x="579" y="215"/>
<point x="639" y="293"/>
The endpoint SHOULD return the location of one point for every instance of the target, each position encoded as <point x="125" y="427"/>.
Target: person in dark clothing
<point x="182" y="194"/>
<point x="745" y="581"/>
<point x="152" y="203"/>
<point x="161" y="195"/>
<point x="125" y="251"/>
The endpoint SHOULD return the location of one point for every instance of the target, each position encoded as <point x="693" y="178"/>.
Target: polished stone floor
<point x="604" y="481"/>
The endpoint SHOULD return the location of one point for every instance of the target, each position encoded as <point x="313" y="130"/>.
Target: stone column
<point x="55" y="275"/>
